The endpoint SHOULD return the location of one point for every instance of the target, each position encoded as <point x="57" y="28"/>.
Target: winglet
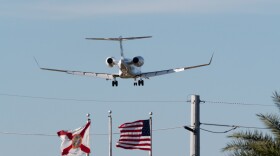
<point x="211" y="59"/>
<point x="37" y="62"/>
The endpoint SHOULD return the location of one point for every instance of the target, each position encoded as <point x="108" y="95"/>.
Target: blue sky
<point x="243" y="34"/>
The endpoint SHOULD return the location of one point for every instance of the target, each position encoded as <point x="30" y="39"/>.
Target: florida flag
<point x="75" y="142"/>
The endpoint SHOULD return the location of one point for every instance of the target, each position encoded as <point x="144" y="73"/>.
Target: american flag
<point x="135" y="135"/>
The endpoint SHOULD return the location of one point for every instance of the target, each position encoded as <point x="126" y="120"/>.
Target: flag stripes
<point x="135" y="135"/>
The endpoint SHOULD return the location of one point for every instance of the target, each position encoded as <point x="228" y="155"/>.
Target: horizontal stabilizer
<point x="120" y="38"/>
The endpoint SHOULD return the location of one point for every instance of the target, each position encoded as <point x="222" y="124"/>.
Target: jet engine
<point x="110" y="61"/>
<point x="138" y="61"/>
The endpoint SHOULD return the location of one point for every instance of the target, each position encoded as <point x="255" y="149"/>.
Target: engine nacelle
<point x="110" y="61"/>
<point x="138" y="61"/>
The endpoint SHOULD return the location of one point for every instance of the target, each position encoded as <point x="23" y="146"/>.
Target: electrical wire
<point x="161" y="129"/>
<point x="219" y="132"/>
<point x="172" y="128"/>
<point x="89" y="100"/>
<point x="26" y="134"/>
<point x="131" y="101"/>
<point x="239" y="103"/>
<point x="100" y="134"/>
<point x="238" y="126"/>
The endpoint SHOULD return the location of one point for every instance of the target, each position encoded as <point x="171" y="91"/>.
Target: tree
<point x="258" y="143"/>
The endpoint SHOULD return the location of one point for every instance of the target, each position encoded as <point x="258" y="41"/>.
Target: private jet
<point x="128" y="68"/>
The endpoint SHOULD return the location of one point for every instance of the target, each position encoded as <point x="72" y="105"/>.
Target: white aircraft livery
<point x="128" y="68"/>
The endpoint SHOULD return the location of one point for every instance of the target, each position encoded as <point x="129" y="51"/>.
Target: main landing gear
<point x="140" y="83"/>
<point x="115" y="83"/>
<point x="136" y="83"/>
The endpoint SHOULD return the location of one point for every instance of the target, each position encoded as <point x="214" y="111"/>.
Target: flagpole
<point x="151" y="130"/>
<point x="88" y="120"/>
<point x="110" y="132"/>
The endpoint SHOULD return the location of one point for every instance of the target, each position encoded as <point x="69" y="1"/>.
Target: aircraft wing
<point x="92" y="74"/>
<point x="169" y="71"/>
<point x="106" y="76"/>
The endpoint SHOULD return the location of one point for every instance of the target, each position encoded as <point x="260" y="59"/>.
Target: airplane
<point x="128" y="68"/>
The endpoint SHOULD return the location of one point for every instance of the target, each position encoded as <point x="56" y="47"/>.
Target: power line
<point x="172" y="128"/>
<point x="130" y="101"/>
<point x="223" y="125"/>
<point x="238" y="126"/>
<point x="87" y="100"/>
<point x="233" y="127"/>
<point x="239" y="103"/>
<point x="100" y="134"/>
<point x="219" y="132"/>
<point x="26" y="134"/>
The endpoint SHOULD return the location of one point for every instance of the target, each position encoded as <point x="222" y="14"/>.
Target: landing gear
<point x="135" y="83"/>
<point x="139" y="83"/>
<point x="115" y="83"/>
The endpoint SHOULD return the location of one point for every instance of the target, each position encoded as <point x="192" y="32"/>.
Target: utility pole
<point x="195" y="126"/>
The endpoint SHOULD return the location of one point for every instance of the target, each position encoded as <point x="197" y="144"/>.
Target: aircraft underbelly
<point x="128" y="71"/>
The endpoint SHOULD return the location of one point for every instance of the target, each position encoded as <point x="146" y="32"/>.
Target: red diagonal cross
<point x="71" y="137"/>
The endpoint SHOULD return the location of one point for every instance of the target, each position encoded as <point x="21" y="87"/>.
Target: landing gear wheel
<point x="115" y="83"/>
<point x="140" y="82"/>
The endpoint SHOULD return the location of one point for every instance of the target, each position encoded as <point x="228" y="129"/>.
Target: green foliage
<point x="257" y="143"/>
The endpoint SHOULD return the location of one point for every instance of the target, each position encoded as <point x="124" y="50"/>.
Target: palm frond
<point x="276" y="99"/>
<point x="257" y="143"/>
<point x="272" y="122"/>
<point x="254" y="143"/>
<point x="251" y="136"/>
